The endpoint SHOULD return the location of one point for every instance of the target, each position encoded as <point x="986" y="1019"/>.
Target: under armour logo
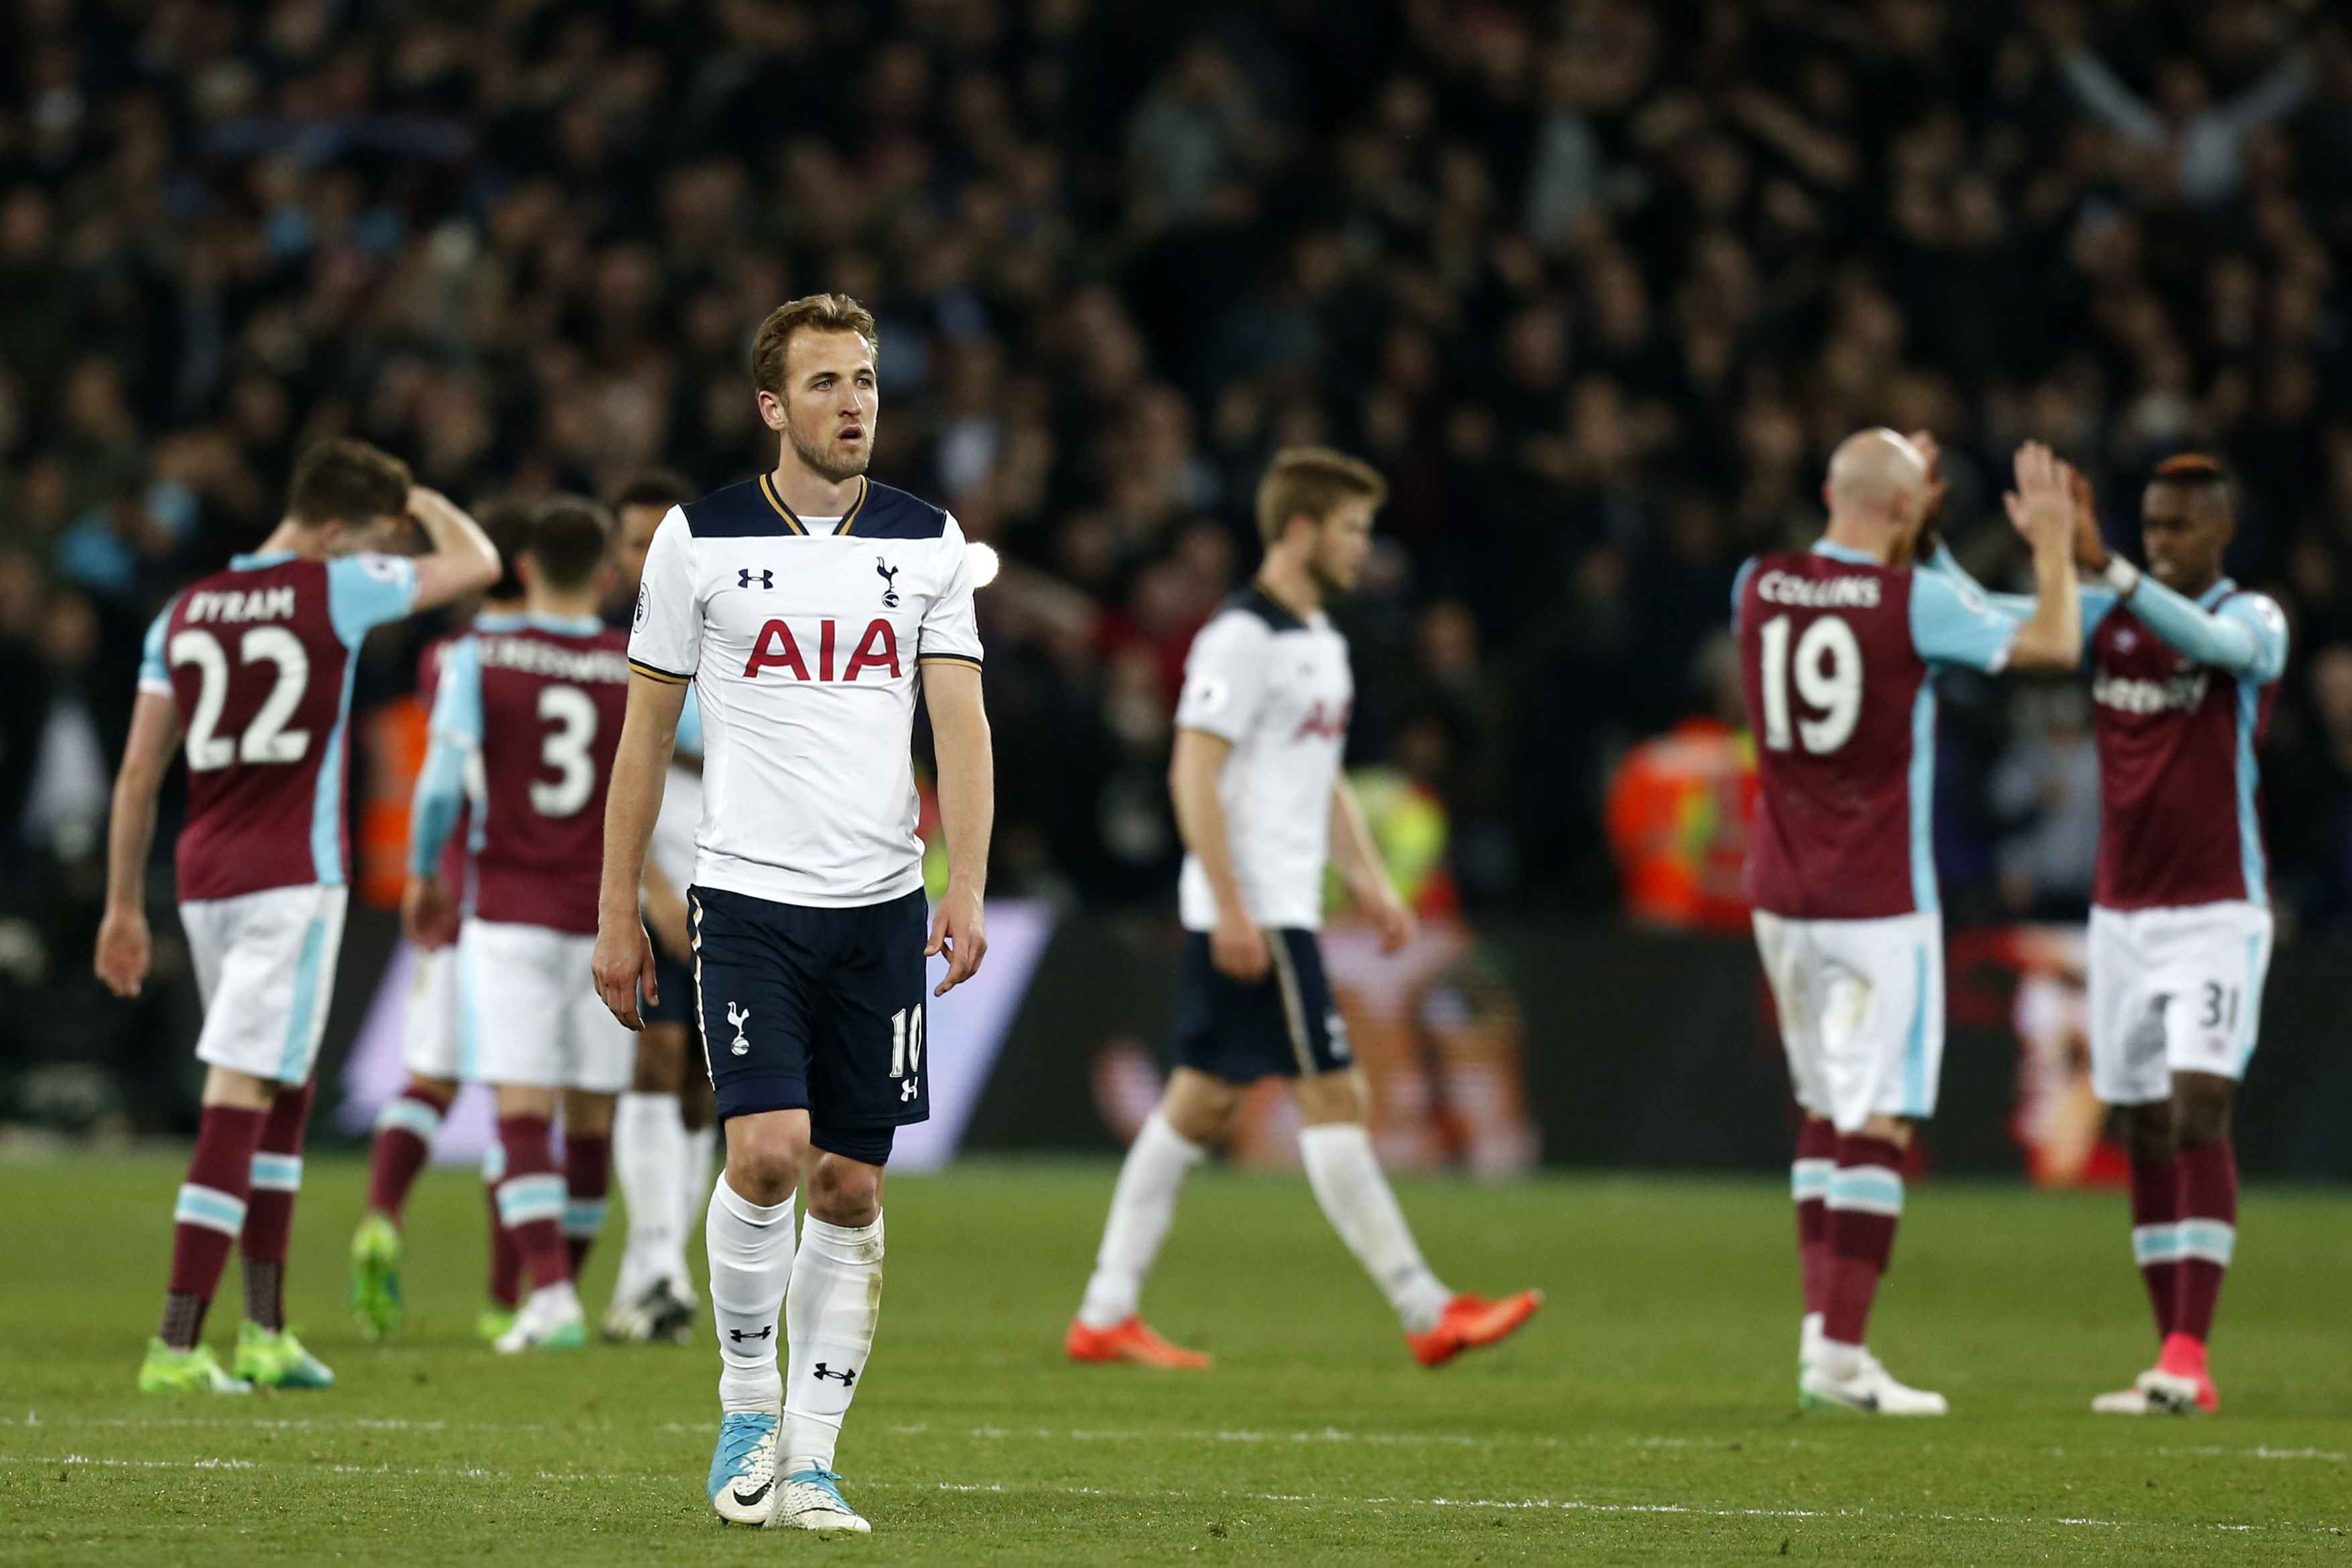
<point x="889" y="590"/>
<point x="738" y="1336"/>
<point x="907" y="1090"/>
<point x="737" y="1018"/>
<point x="847" y="1376"/>
<point x="744" y="578"/>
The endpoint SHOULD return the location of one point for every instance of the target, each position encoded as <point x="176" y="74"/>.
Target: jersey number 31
<point x="1828" y="670"/>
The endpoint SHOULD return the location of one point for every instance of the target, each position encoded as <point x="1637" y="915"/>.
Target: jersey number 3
<point x="572" y="714"/>
<point x="1828" y="672"/>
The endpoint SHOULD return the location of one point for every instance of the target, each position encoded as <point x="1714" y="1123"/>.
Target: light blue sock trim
<point x="1809" y="1180"/>
<point x="2155" y="1243"/>
<point x="277" y="1173"/>
<point x="2208" y="1240"/>
<point x="494" y="1164"/>
<point x="1867" y="1189"/>
<point x="407" y="1115"/>
<point x="583" y="1217"/>
<point x="209" y="1207"/>
<point x="524" y="1199"/>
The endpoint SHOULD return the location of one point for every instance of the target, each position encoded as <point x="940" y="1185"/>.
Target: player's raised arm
<point x="1359" y="861"/>
<point x="625" y="957"/>
<point x="123" y="945"/>
<point x="2043" y="509"/>
<point x="462" y="560"/>
<point x="959" y="739"/>
<point x="2245" y="636"/>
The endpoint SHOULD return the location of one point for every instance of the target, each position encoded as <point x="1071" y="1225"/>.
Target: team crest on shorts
<point x="738" y="1016"/>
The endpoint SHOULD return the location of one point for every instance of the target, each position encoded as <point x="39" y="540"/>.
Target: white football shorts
<point x="529" y="1012"/>
<point x="429" y="1046"/>
<point x="2176" y="989"/>
<point x="265" y="966"/>
<point x="1861" y="1012"/>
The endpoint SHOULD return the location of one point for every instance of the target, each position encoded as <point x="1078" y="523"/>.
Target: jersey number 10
<point x="1828" y="670"/>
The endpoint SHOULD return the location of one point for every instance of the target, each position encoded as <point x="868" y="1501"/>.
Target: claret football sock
<point x="751" y="1247"/>
<point x="1809" y="1188"/>
<point x="2156" y="1235"/>
<point x="269" y="1208"/>
<point x="1143" y="1206"/>
<point x="2209" y="1233"/>
<point x="506" y="1258"/>
<point x="829" y="1313"/>
<point x="1356" y="1199"/>
<point x="208" y="1216"/>
<point x="1866" y="1201"/>
<point x="648" y="1149"/>
<point x="530" y="1199"/>
<point x="404" y="1130"/>
<point x="587" y="1176"/>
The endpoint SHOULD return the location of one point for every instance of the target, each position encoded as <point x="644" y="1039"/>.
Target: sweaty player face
<point x="829" y="406"/>
<point x="2185" y="530"/>
<point x="1341" y="544"/>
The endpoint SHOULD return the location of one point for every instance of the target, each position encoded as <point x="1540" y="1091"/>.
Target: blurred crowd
<point x="1596" y="282"/>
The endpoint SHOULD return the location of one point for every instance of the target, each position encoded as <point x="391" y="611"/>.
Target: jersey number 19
<point x="1828" y="671"/>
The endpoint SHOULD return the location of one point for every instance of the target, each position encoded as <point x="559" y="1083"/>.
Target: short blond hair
<point x="809" y="313"/>
<point x="1309" y="481"/>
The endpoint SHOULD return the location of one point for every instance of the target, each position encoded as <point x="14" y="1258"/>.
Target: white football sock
<point x="648" y="1148"/>
<point x="750" y="1263"/>
<point x="1356" y="1201"/>
<point x="829" y="1314"/>
<point x="1142" y="1207"/>
<point x="697" y="1147"/>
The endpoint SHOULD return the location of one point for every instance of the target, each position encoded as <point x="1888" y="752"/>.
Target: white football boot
<point x="810" y="1498"/>
<point x="743" y="1468"/>
<point x="1868" y="1387"/>
<point x="551" y="1320"/>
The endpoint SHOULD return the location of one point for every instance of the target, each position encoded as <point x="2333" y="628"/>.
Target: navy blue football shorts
<point x="1285" y="1025"/>
<point x="814" y="1009"/>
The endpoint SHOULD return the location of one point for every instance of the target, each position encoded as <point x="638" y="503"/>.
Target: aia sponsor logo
<point x="1325" y="721"/>
<point x="777" y="649"/>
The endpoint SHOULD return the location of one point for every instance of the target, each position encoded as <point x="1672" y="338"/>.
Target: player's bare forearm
<point x="121" y="959"/>
<point x="130" y="830"/>
<point x="632" y="799"/>
<point x="1352" y="847"/>
<point x="624" y="961"/>
<point x="463" y="560"/>
<point x="1193" y="774"/>
<point x="967" y="783"/>
<point x="2043" y="507"/>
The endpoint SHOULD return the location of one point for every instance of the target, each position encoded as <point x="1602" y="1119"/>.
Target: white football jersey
<point x="1279" y="689"/>
<point x="802" y="648"/>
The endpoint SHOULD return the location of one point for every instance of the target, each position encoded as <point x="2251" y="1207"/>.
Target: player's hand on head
<point x="1238" y="949"/>
<point x="623" y="965"/>
<point x="960" y="929"/>
<point x="122" y="952"/>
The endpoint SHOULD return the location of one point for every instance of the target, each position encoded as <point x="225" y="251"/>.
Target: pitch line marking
<point x="1532" y="1505"/>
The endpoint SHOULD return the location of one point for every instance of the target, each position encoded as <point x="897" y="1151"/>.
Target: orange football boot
<point x="1472" y="1322"/>
<point x="1132" y="1340"/>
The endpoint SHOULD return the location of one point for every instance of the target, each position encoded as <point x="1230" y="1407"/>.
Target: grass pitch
<point x="1646" y="1415"/>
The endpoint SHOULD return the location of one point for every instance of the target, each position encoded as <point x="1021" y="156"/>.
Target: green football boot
<point x="197" y="1370"/>
<point x="375" y="1277"/>
<point x="493" y="1321"/>
<point x="279" y="1360"/>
